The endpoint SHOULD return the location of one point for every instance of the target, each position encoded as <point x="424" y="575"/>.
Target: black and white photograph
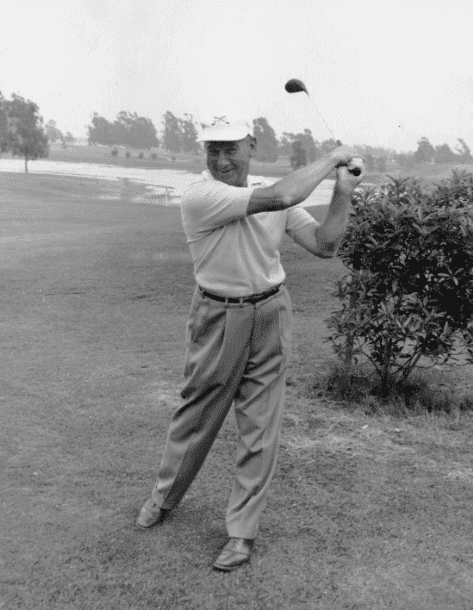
<point x="236" y="305"/>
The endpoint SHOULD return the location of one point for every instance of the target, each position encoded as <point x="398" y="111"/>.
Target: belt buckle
<point x="234" y="300"/>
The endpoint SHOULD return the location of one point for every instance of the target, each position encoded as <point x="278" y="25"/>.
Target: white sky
<point x="381" y="72"/>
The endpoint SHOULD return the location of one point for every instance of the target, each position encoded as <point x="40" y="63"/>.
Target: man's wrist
<point x="344" y="191"/>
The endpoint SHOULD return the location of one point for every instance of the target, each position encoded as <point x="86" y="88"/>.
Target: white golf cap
<point x="224" y="130"/>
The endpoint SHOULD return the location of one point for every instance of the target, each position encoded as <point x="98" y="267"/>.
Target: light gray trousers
<point x="234" y="353"/>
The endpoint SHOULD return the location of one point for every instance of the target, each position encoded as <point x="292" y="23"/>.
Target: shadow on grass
<point x="437" y="391"/>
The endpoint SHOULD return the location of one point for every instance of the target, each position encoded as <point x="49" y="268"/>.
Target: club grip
<point x="355" y="166"/>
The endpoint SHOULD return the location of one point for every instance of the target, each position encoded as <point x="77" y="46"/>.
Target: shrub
<point x="154" y="156"/>
<point x="127" y="154"/>
<point x="409" y="290"/>
<point x="141" y="154"/>
<point x="114" y="151"/>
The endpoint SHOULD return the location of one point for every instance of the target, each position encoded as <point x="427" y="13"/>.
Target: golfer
<point x="239" y="329"/>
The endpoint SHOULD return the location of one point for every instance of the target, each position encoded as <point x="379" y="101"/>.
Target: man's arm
<point x="324" y="240"/>
<point x="298" y="185"/>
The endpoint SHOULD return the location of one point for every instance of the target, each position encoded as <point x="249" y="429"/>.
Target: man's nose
<point x="222" y="159"/>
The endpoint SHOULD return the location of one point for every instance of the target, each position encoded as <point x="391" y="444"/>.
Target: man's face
<point x="229" y="162"/>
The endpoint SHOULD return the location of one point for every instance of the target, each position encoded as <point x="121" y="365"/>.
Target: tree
<point x="128" y="129"/>
<point x="299" y="155"/>
<point x="425" y="151"/>
<point x="121" y="128"/>
<point x="54" y="134"/>
<point x="327" y="146"/>
<point x="134" y="131"/>
<point x="286" y="143"/>
<point x="172" y="132"/>
<point x="3" y="125"/>
<point x="189" y="135"/>
<point x="267" y="143"/>
<point x="143" y="133"/>
<point x="101" y="131"/>
<point x="381" y="165"/>
<point x="69" y="138"/>
<point x="406" y="160"/>
<point x="376" y="151"/>
<point x="464" y="151"/>
<point x="25" y="132"/>
<point x="311" y="147"/>
<point x="444" y="154"/>
<point x="369" y="162"/>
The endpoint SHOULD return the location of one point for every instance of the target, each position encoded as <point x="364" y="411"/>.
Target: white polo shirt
<point x="234" y="254"/>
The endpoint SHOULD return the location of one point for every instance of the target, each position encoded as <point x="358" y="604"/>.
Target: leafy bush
<point x="154" y="156"/>
<point x="127" y="154"/>
<point x="409" y="290"/>
<point x="114" y="151"/>
<point x="141" y="154"/>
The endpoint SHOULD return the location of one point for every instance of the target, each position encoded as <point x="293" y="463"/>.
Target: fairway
<point x="364" y="512"/>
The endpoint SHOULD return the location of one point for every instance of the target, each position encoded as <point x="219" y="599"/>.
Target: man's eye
<point x="230" y="152"/>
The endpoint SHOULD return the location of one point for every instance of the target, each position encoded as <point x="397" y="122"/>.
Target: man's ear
<point x="253" y="145"/>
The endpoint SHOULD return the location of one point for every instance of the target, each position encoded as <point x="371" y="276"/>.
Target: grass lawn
<point x="365" y="512"/>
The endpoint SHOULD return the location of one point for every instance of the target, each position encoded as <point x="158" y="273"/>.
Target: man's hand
<point x="344" y="154"/>
<point x="346" y="182"/>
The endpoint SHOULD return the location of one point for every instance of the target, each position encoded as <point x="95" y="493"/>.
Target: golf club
<point x="294" y="85"/>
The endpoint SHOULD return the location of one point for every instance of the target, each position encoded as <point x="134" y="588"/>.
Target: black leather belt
<point x="252" y="298"/>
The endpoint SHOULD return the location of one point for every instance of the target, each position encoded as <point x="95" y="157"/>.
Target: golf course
<point x="368" y="510"/>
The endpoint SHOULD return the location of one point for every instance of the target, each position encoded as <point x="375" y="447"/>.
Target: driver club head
<point x="295" y="86"/>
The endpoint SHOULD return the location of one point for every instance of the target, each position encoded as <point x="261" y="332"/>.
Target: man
<point x="240" y="324"/>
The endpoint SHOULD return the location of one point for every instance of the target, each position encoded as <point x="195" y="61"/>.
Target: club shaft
<point x="312" y="101"/>
<point x="356" y="171"/>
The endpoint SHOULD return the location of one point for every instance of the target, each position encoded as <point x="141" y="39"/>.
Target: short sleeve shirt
<point x="234" y="254"/>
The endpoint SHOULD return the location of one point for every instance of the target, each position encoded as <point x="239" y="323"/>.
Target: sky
<point x="378" y="73"/>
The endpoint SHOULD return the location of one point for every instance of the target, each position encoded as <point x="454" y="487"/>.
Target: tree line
<point x="128" y="129"/>
<point x="180" y="135"/>
<point x="23" y="133"/>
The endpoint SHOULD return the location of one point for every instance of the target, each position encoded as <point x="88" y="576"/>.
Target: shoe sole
<point x="222" y="568"/>
<point x="145" y="527"/>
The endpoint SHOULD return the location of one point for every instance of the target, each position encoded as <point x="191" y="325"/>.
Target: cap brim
<point x="222" y="135"/>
